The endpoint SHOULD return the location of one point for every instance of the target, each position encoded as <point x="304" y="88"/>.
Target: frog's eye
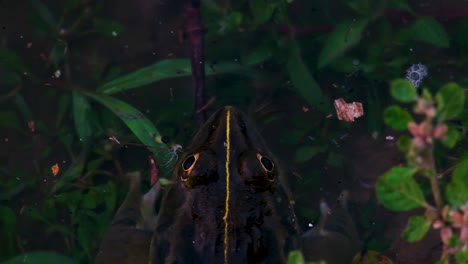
<point x="267" y="164"/>
<point x="189" y="162"/>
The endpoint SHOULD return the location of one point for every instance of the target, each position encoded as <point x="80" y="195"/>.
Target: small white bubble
<point x="311" y="225"/>
<point x="114" y="33"/>
<point x="57" y="73"/>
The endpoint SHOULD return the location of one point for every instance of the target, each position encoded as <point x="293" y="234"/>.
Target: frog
<point x="229" y="203"/>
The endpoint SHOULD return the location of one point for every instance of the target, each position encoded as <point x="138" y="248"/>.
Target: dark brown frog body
<point x="228" y="204"/>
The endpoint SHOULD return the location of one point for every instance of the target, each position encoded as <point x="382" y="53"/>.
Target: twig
<point x="195" y="30"/>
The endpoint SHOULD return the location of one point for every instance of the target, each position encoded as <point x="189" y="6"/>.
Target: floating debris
<point x="55" y="169"/>
<point x="348" y="112"/>
<point x="416" y="73"/>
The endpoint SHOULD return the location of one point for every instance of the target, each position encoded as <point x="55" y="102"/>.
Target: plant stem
<point x="433" y="179"/>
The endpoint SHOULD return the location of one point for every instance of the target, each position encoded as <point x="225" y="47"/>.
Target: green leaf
<point x="457" y="190"/>
<point x="12" y="61"/>
<point x="73" y="172"/>
<point x="334" y="159"/>
<point x="89" y="201"/>
<point x="403" y="91"/>
<point x="461" y="256"/>
<point x="63" y="108"/>
<point x="109" y="28"/>
<point x="10" y="119"/>
<point x="345" y="36"/>
<point x="82" y="114"/>
<point x="257" y="56"/>
<point x="362" y="7"/>
<point x="262" y="10"/>
<point x="404" y="143"/>
<point x="303" y="81"/>
<point x="40" y="257"/>
<point x="450" y="101"/>
<point x="416" y="229"/>
<point x="58" y="52"/>
<point x="141" y="127"/>
<point x="85" y="236"/>
<point x="8" y="225"/>
<point x="296" y="257"/>
<point x="460" y="37"/>
<point x="374" y="110"/>
<point x="430" y="31"/>
<point x="451" y="138"/>
<point x="45" y="14"/>
<point x="396" y="117"/>
<point x="165" y="69"/>
<point x="230" y="22"/>
<point x="23" y="108"/>
<point x="399" y="4"/>
<point x="305" y="153"/>
<point x="71" y="4"/>
<point x="398" y="191"/>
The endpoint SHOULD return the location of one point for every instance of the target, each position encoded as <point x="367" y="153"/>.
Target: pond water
<point x="92" y="90"/>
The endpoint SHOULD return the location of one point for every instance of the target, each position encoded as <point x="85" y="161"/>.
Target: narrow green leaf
<point x="416" y="229"/>
<point x="460" y="37"/>
<point x="23" y="108"/>
<point x="58" y="52"/>
<point x="73" y="172"/>
<point x="63" y="108"/>
<point x="12" y="60"/>
<point x="165" y="69"/>
<point x="397" y="118"/>
<point x="85" y="237"/>
<point x="305" y="153"/>
<point x="403" y="91"/>
<point x="363" y="8"/>
<point x="141" y="127"/>
<point x="398" y="191"/>
<point x="399" y="4"/>
<point x="450" y="101"/>
<point x="8" y="225"/>
<point x="45" y="14"/>
<point x="430" y="31"/>
<point x="257" y="56"/>
<point x="457" y="190"/>
<point x="345" y="36"/>
<point x="304" y="82"/>
<point x="40" y="257"/>
<point x="334" y="159"/>
<point x="82" y="114"/>
<point x="109" y="28"/>
<point x="374" y="111"/>
<point x="71" y="4"/>
<point x="10" y="119"/>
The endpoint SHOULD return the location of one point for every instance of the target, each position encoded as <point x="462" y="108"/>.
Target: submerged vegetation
<point x="84" y="101"/>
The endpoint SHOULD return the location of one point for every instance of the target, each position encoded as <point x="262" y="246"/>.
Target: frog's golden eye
<point x="267" y="164"/>
<point x="189" y="162"/>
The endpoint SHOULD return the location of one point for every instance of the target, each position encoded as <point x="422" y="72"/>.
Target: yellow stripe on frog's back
<point x="228" y="180"/>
